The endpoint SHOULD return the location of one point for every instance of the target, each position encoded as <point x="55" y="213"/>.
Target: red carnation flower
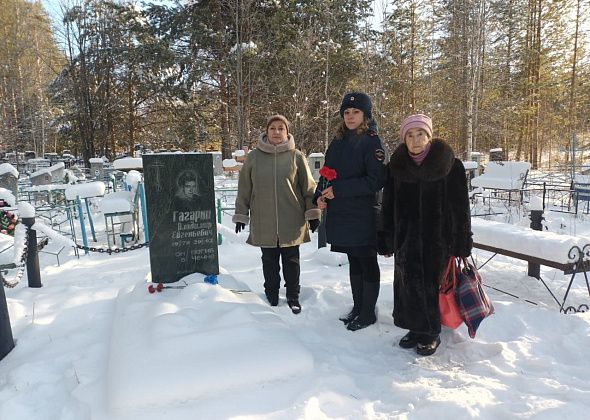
<point x="328" y="173"/>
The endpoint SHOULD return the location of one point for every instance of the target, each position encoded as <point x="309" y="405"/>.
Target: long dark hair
<point x="341" y="129"/>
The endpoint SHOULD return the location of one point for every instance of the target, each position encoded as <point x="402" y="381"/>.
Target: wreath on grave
<point x="8" y="222"/>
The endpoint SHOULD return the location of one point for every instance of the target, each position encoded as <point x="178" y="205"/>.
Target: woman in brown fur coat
<point x="426" y="220"/>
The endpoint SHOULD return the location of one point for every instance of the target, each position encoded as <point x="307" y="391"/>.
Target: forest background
<point x="97" y="77"/>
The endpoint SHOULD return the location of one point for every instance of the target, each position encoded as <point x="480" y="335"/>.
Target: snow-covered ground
<point x="92" y="343"/>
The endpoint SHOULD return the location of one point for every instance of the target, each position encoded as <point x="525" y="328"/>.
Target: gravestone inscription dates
<point x="180" y="199"/>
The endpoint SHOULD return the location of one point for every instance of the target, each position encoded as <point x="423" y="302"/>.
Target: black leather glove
<point x="313" y="224"/>
<point x="240" y="226"/>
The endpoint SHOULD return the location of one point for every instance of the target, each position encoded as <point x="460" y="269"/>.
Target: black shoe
<point x="409" y="341"/>
<point x="273" y="300"/>
<point x="359" y="324"/>
<point x="428" y="348"/>
<point x="294" y="305"/>
<point x="350" y="316"/>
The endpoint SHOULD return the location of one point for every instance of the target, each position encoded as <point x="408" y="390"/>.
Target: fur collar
<point x="265" y="146"/>
<point x="437" y="165"/>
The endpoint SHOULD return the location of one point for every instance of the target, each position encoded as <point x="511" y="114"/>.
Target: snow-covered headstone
<point x="57" y="172"/>
<point x="41" y="177"/>
<point x="128" y="163"/>
<point x="315" y="162"/>
<point x="217" y="163"/>
<point x="96" y="168"/>
<point x="9" y="178"/>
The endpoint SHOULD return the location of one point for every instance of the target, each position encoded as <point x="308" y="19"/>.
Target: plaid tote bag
<point x="474" y="303"/>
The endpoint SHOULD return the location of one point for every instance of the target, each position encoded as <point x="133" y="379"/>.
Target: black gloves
<point x="313" y="224"/>
<point x="240" y="226"/>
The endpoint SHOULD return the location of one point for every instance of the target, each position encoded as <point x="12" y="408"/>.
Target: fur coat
<point x="425" y="219"/>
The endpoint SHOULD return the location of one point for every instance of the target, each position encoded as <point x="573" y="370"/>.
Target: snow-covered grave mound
<point x="200" y="341"/>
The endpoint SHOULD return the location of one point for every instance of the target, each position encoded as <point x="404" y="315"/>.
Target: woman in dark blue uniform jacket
<point x="357" y="155"/>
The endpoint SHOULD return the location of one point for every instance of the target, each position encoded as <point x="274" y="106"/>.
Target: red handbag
<point x="450" y="315"/>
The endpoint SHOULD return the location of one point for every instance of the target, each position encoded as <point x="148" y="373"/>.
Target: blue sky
<point x="53" y="8"/>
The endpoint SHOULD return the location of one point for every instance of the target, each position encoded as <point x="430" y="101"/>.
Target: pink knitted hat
<point x="416" y="121"/>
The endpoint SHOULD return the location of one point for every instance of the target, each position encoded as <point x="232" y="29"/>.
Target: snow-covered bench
<point x="231" y="165"/>
<point x="504" y="175"/>
<point x="121" y="210"/>
<point x="569" y="254"/>
<point x="504" y="182"/>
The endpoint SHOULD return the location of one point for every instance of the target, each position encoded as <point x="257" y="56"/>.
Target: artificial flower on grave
<point x="8" y="222"/>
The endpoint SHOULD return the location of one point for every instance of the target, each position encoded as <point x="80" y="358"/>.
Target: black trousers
<point x="366" y="267"/>
<point x="271" y="270"/>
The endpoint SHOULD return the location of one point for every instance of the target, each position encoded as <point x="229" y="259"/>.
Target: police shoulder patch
<point x="380" y="155"/>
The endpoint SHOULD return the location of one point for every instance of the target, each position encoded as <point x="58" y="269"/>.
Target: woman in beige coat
<point x="275" y="193"/>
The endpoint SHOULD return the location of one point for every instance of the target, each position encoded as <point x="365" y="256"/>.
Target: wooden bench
<point x="567" y="253"/>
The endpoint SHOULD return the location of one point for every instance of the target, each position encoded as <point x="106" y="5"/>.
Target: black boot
<point x="427" y="345"/>
<point x="356" y="284"/>
<point x="367" y="316"/>
<point x="294" y="305"/>
<point x="291" y="271"/>
<point x="408" y="341"/>
<point x="273" y="298"/>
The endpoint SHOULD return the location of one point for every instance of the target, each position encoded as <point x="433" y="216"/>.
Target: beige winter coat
<point x="274" y="195"/>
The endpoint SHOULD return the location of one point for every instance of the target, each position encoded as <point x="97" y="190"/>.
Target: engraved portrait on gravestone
<point x="188" y="191"/>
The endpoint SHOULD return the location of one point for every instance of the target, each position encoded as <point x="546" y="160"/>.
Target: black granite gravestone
<point x="179" y="192"/>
